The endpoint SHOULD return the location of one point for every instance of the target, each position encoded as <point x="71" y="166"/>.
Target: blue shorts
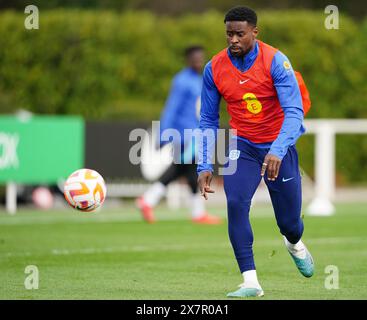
<point x="240" y="186"/>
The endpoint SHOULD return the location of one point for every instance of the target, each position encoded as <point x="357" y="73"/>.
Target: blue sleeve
<point x="290" y="99"/>
<point x="209" y="120"/>
<point x="175" y="101"/>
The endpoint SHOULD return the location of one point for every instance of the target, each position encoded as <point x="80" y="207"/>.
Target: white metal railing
<point x="325" y="131"/>
<point x="324" y="190"/>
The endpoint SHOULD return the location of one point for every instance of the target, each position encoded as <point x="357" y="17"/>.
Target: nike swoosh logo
<point x="285" y="180"/>
<point x="244" y="81"/>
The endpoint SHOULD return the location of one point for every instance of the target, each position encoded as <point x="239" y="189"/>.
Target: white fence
<point x="322" y="191"/>
<point x="325" y="131"/>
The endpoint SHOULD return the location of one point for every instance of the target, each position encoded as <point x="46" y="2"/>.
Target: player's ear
<point x="255" y="31"/>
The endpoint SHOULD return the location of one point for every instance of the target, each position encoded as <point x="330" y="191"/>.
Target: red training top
<point x="252" y="100"/>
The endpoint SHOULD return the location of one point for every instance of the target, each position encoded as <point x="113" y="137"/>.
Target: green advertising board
<point x="41" y="149"/>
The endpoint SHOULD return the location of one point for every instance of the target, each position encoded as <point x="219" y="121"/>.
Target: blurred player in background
<point x="266" y="108"/>
<point x="181" y="112"/>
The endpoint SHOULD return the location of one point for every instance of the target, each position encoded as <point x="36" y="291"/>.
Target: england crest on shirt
<point x="234" y="154"/>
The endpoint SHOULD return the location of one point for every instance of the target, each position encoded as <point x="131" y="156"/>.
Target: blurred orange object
<point x="306" y="101"/>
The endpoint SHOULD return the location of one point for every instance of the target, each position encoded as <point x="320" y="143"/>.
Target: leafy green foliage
<point x="104" y="64"/>
<point x="100" y="64"/>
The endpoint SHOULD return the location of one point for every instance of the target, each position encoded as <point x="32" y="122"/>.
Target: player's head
<point x="241" y="30"/>
<point x="195" y="58"/>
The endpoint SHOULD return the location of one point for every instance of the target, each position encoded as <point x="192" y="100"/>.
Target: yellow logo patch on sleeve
<point x="286" y="65"/>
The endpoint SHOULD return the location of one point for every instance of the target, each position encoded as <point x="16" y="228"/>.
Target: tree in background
<point x="103" y="64"/>
<point x="355" y="8"/>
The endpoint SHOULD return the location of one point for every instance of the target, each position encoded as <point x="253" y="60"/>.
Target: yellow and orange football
<point x="85" y="190"/>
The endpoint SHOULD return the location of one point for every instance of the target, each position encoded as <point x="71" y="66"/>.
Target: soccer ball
<point x="85" y="190"/>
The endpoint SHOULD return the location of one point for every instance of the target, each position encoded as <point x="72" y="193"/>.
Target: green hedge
<point x="103" y="64"/>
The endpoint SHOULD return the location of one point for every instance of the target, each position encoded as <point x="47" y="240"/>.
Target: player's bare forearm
<point x="204" y="180"/>
<point x="271" y="165"/>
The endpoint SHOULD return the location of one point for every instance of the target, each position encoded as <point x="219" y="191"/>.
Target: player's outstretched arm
<point x="209" y="120"/>
<point x="204" y="180"/>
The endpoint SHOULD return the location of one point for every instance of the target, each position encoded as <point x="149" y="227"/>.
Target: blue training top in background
<point x="182" y="107"/>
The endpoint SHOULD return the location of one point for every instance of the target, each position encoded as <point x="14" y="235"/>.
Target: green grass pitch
<point x="114" y="255"/>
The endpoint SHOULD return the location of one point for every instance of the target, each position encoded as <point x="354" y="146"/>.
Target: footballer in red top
<point x="266" y="100"/>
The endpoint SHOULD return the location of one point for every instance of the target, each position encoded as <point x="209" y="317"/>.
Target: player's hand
<point x="204" y="180"/>
<point x="271" y="165"/>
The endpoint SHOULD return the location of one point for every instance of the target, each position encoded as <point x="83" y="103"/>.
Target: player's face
<point x="196" y="60"/>
<point x="240" y="37"/>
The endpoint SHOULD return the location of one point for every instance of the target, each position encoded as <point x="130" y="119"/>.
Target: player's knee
<point x="240" y="233"/>
<point x="237" y="206"/>
<point x="292" y="231"/>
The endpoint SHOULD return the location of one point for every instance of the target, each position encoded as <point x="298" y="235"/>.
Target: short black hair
<point x="190" y="50"/>
<point x="241" y="14"/>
